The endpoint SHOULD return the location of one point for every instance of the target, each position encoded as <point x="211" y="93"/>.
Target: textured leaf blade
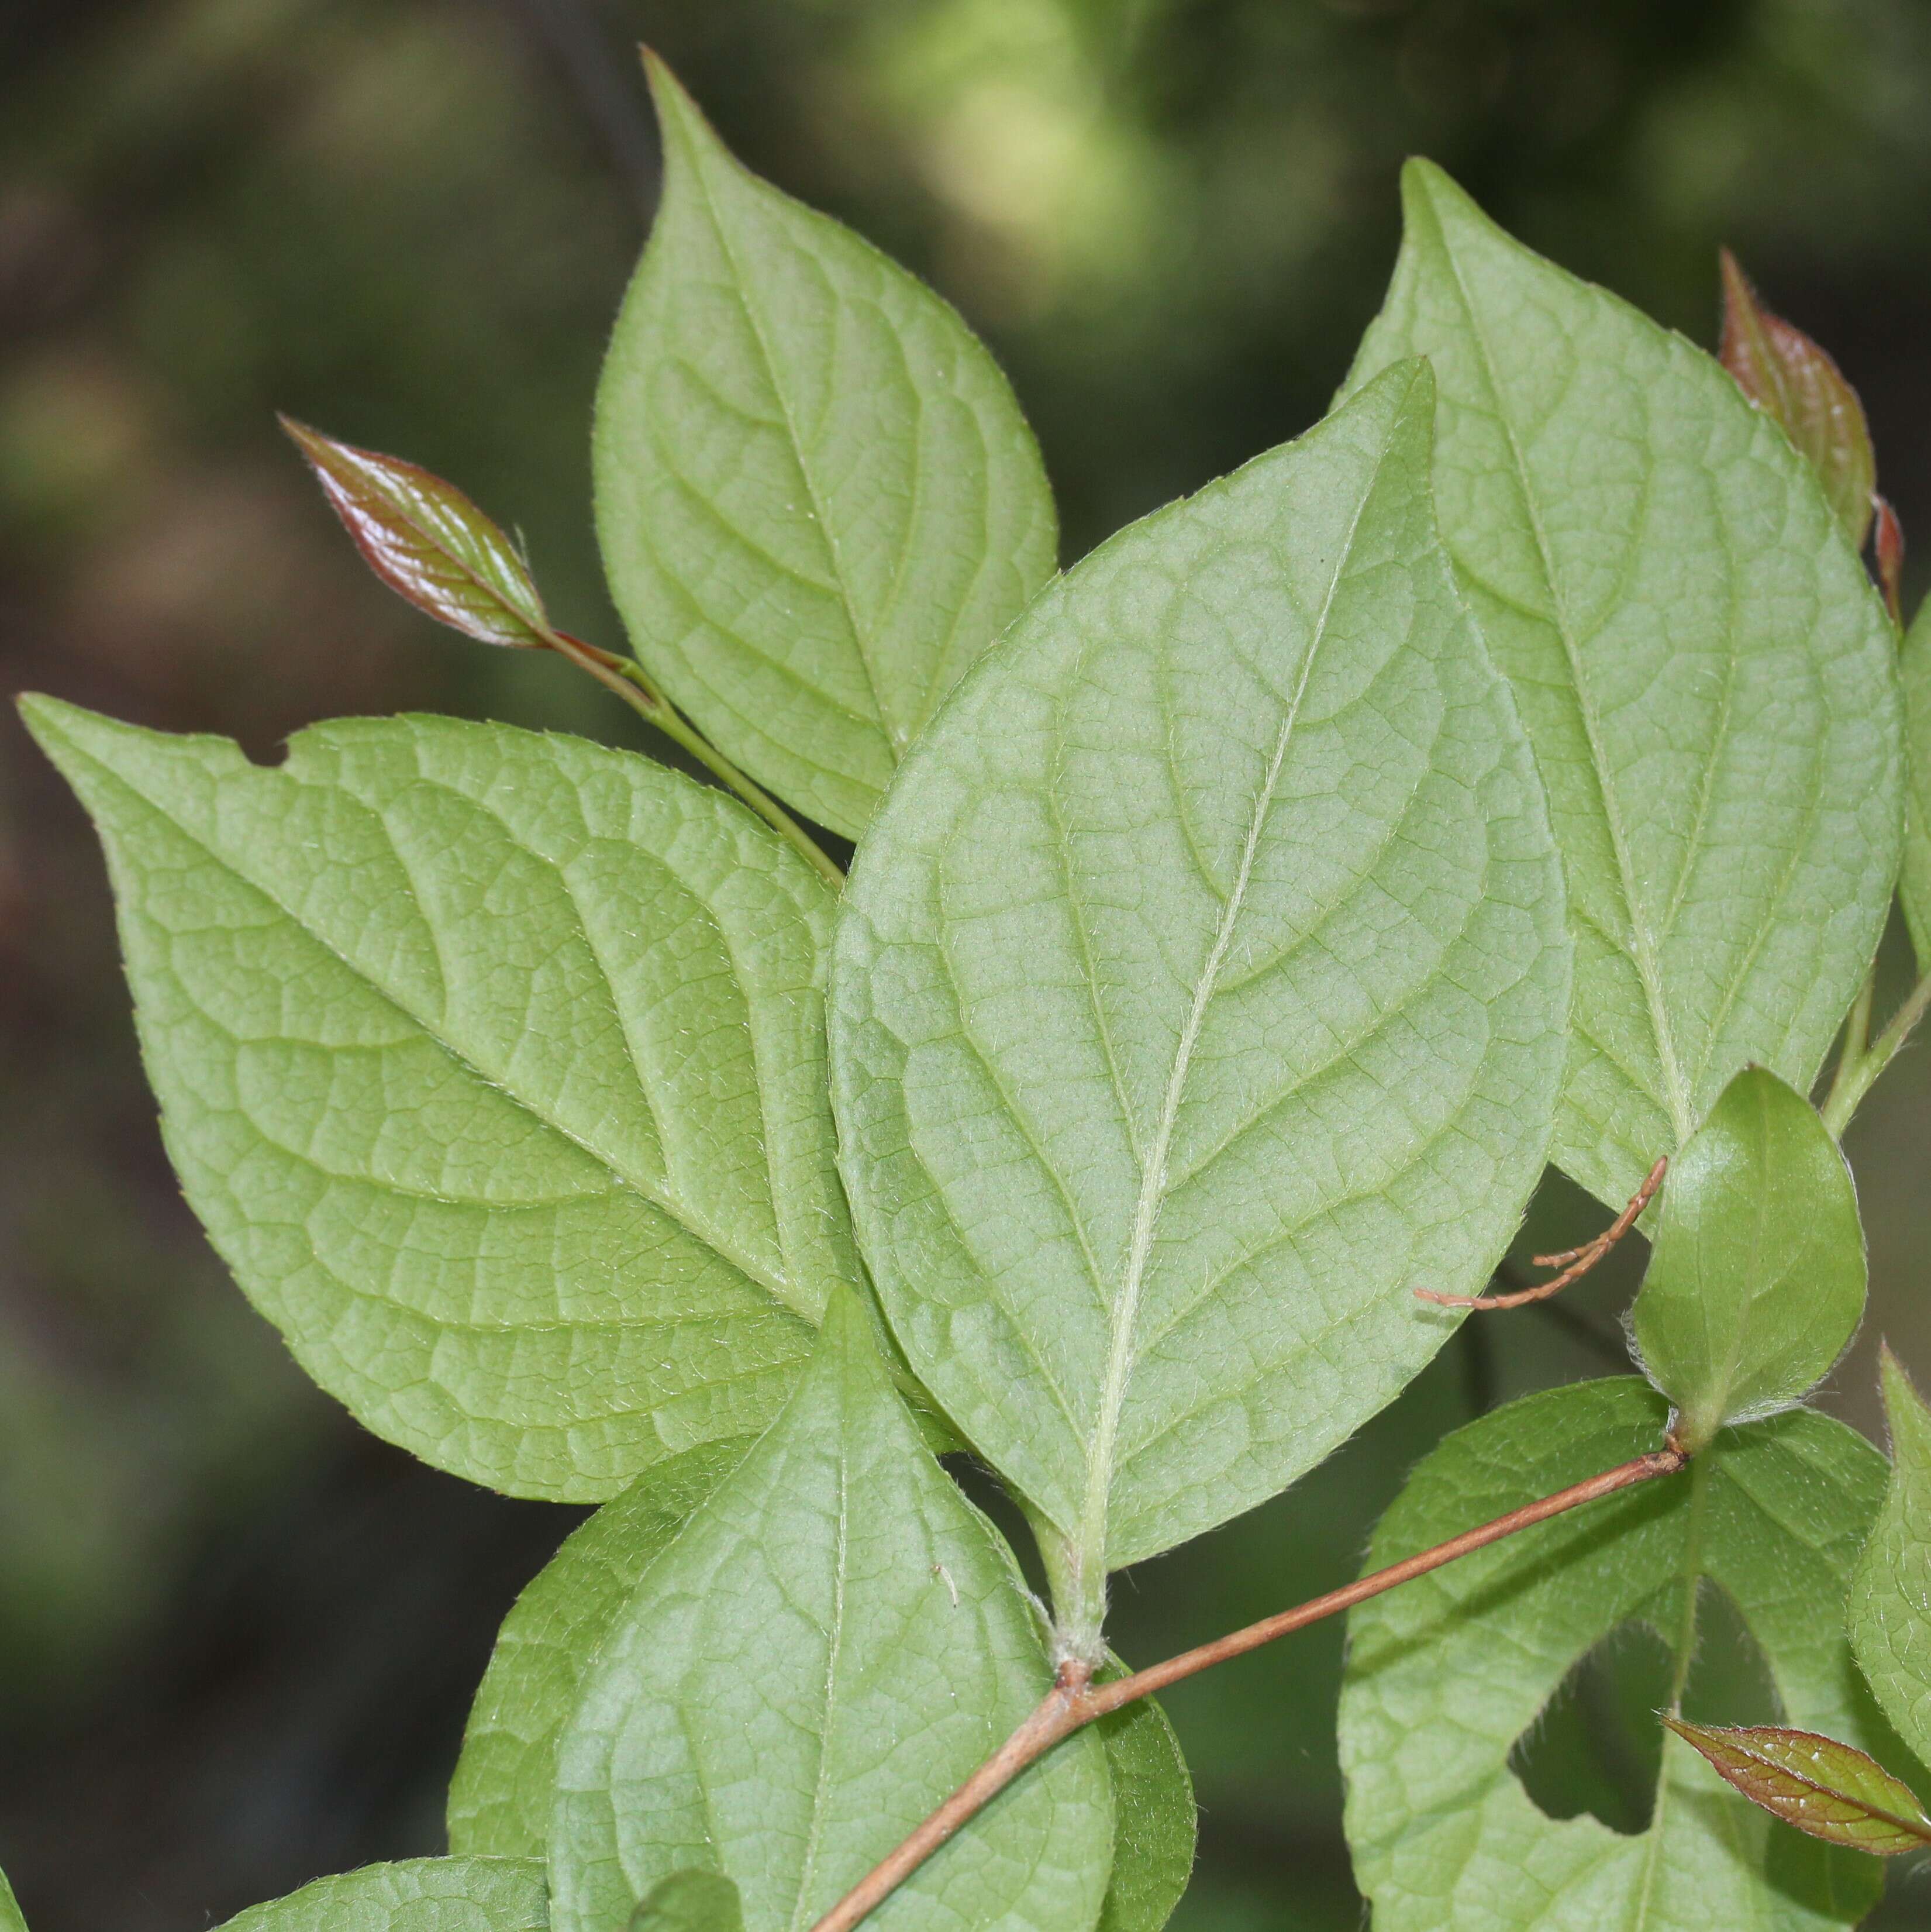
<point x="417" y="1895"/>
<point x="1828" y="1789"/>
<point x="1154" y="1822"/>
<point x="1794" y="380"/>
<point x="817" y="498"/>
<point x="1914" y="665"/>
<point x="1704" y="670"/>
<point x="1445" y="1674"/>
<point x="1890" y="1600"/>
<point x="493" y="1065"/>
<point x="1756" y="1282"/>
<point x="691" y="1901"/>
<point x="427" y="542"/>
<point x="10" y="1918"/>
<point x="1200" y="992"/>
<point x="792" y="1687"/>
<point x="501" y="1796"/>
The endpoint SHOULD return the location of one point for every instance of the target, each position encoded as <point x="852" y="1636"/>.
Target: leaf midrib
<point x="860" y="644"/>
<point x="1642" y="941"/>
<point x="663" y="1200"/>
<point x="1091" y="1560"/>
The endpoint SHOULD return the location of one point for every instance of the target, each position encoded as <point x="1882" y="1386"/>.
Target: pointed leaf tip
<point x="1792" y="378"/>
<point x="427" y="542"/>
<point x="1832" y="1791"/>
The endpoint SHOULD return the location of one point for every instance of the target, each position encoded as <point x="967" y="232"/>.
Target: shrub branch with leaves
<point x="1519" y="767"/>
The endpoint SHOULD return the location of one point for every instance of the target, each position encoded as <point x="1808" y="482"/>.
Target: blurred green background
<point x="237" y="1636"/>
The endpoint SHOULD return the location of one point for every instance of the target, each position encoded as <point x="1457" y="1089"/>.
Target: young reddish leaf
<point x="428" y="542"/>
<point x="1829" y="1789"/>
<point x="1790" y="377"/>
<point x="1890" y="547"/>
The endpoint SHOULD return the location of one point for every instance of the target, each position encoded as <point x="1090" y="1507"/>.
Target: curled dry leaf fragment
<point x="1830" y="1790"/>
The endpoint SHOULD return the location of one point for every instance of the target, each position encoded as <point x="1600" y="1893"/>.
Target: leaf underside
<point x="418" y="1895"/>
<point x="816" y="499"/>
<point x="1200" y="992"/>
<point x="493" y="1064"/>
<point x="1445" y="1674"/>
<point x="1704" y="669"/>
<point x="1756" y="1282"/>
<point x="1890" y="1600"/>
<point x="792" y="1687"/>
<point x="691" y="1901"/>
<point x="1914" y="663"/>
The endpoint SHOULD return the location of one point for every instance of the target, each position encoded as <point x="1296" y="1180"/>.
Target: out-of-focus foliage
<point x="411" y="220"/>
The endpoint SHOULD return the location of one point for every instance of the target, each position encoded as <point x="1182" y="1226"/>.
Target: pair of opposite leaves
<point x="1827" y="1561"/>
<point x="1202" y="987"/>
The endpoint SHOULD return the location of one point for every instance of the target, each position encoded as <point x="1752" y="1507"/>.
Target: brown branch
<point x="1579" y="1261"/>
<point x="1075" y="1701"/>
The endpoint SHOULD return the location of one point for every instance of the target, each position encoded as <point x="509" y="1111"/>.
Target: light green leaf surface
<point x="419" y="1895"/>
<point x="691" y="1901"/>
<point x="831" y="1646"/>
<point x="1445" y="1674"/>
<point x="1706" y="673"/>
<point x="1756" y="1282"/>
<point x="493" y="1065"/>
<point x="10" y="1918"/>
<point x="504" y="1785"/>
<point x="1890" y="1600"/>
<point x="1200" y="992"/>
<point x="1914" y="663"/>
<point x="817" y="498"/>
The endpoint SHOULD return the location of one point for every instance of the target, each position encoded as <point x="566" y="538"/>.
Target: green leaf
<point x="1834" y="1792"/>
<point x="1914" y="665"/>
<point x="1890" y="1600"/>
<point x="1446" y="1673"/>
<point x="691" y="1901"/>
<point x="1154" y="1824"/>
<point x="817" y="498"/>
<point x="1793" y="380"/>
<point x="419" y="1895"/>
<point x="1705" y="671"/>
<point x="1200" y="992"/>
<point x="501" y="1796"/>
<point x="492" y="1064"/>
<point x="1756" y="1282"/>
<point x="831" y="1646"/>
<point x="427" y="542"/>
<point x="10" y="1918"/>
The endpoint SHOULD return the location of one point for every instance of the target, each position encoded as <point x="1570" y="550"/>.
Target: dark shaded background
<point x="237" y="1636"/>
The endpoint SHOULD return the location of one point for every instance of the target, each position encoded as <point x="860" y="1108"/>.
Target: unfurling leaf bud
<point x="428" y="542"/>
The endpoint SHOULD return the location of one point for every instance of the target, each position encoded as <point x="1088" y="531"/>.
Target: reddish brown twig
<point x="1075" y="1702"/>
<point x="1574" y="1262"/>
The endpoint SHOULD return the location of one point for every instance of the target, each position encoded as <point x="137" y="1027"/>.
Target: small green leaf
<point x="833" y="1644"/>
<point x="10" y="1918"/>
<point x="500" y="1797"/>
<point x="1154" y="1822"/>
<point x="1446" y="1674"/>
<point x="419" y="1895"/>
<point x="691" y="1901"/>
<point x="1756" y="1282"/>
<point x="1914" y="665"/>
<point x="1706" y="675"/>
<point x="818" y="500"/>
<point x="427" y="542"/>
<point x="493" y="1065"/>
<point x="1793" y="380"/>
<point x="1890" y="1600"/>
<point x="1830" y="1790"/>
<point x="1200" y="992"/>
